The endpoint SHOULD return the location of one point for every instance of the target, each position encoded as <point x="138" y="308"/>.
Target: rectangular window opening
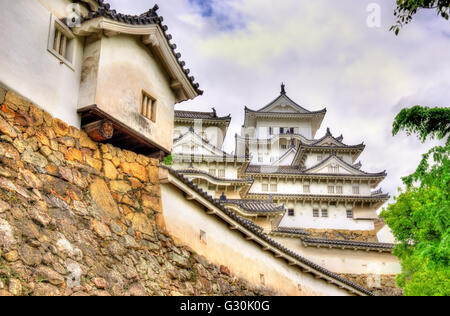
<point x="148" y="106"/>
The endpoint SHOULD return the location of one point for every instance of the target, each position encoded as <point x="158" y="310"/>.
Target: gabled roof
<point x="191" y="115"/>
<point x="326" y="144"/>
<point x="347" y="244"/>
<point x="149" y="18"/>
<point x="201" y="141"/>
<point x="283" y="99"/>
<point x="344" y="164"/>
<point x="291" y="150"/>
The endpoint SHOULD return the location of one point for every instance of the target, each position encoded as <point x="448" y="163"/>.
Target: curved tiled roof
<point x="255" y="206"/>
<point x="333" y="155"/>
<point x="200" y="116"/>
<point x="258" y="231"/>
<point x="150" y="17"/>
<point x="309" y="113"/>
<point x="347" y="243"/>
<point x="297" y="170"/>
<point x="195" y="171"/>
<point x="291" y="231"/>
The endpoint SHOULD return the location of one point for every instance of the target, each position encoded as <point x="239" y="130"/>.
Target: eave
<point x="154" y="38"/>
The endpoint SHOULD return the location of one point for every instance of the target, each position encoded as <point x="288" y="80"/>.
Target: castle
<point x="285" y="214"/>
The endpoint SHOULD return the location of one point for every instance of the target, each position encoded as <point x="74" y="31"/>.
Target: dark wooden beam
<point x="99" y="131"/>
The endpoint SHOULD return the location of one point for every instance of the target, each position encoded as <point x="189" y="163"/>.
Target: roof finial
<point x="214" y="112"/>
<point x="283" y="88"/>
<point x="223" y="197"/>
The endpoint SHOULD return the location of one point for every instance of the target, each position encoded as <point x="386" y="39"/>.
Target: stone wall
<point x="81" y="218"/>
<point x="380" y="285"/>
<point x="353" y="235"/>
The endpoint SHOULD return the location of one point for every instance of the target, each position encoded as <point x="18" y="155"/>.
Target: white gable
<point x="334" y="165"/>
<point x="328" y="141"/>
<point x="284" y="105"/>
<point x="287" y="158"/>
<point x="193" y="144"/>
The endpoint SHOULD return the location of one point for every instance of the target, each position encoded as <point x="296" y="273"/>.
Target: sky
<point x="334" y="54"/>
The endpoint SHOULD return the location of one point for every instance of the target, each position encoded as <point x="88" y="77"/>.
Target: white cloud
<point x="327" y="56"/>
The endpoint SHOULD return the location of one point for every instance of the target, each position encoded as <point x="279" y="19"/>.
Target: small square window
<point x="221" y="173"/>
<point x="212" y="172"/>
<point x="202" y="237"/>
<point x="265" y="187"/>
<point x="339" y="189"/>
<point x="291" y="212"/>
<point x="324" y="213"/>
<point x="315" y="213"/>
<point x="148" y="106"/>
<point x="306" y="189"/>
<point x="355" y="190"/>
<point x="349" y="214"/>
<point x="330" y="190"/>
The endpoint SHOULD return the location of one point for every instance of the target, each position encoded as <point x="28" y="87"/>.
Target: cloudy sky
<point x="327" y="55"/>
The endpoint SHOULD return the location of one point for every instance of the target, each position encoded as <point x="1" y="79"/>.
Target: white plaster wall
<point x="312" y="159"/>
<point x="345" y="261"/>
<point x="302" y="127"/>
<point x="385" y="235"/>
<point x="337" y="219"/>
<point x="184" y="220"/>
<point x="291" y="187"/>
<point x="26" y="65"/>
<point x="126" y="68"/>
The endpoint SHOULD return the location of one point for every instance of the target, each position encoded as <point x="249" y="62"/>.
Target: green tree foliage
<point x="168" y="160"/>
<point x="420" y="216"/>
<point x="406" y="9"/>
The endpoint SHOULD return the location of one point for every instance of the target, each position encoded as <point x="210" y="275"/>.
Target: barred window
<point x="265" y="187"/>
<point x="316" y="213"/>
<point x="330" y="189"/>
<point x="222" y="173"/>
<point x="148" y="106"/>
<point x="274" y="187"/>
<point x="291" y="212"/>
<point x="324" y="213"/>
<point x="212" y="172"/>
<point x="355" y="190"/>
<point x="349" y="213"/>
<point x="306" y="188"/>
<point x="339" y="190"/>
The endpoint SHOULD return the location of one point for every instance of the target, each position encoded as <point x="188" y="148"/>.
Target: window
<point x="330" y="190"/>
<point x="212" y="172"/>
<point x="324" y="213"/>
<point x="202" y="237"/>
<point x="222" y="173"/>
<point x="61" y="42"/>
<point x="274" y="188"/>
<point x="265" y="187"/>
<point x="355" y="190"/>
<point x="319" y="158"/>
<point x="283" y="146"/>
<point x="281" y="130"/>
<point x="315" y="213"/>
<point x="339" y="189"/>
<point x="291" y="130"/>
<point x="306" y="188"/>
<point x="270" y="131"/>
<point x="349" y="214"/>
<point x="148" y="106"/>
<point x="291" y="212"/>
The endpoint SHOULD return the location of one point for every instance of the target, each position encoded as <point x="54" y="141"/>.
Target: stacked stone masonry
<point x="81" y="218"/>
